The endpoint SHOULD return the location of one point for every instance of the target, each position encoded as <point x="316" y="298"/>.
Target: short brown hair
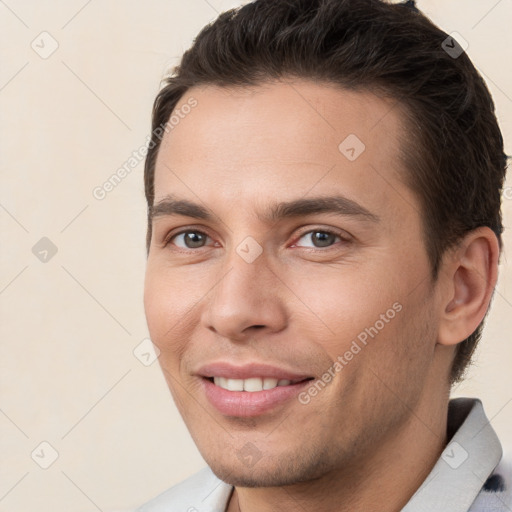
<point x="454" y="149"/>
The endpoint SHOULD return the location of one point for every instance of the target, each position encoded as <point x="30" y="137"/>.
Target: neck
<point x="383" y="480"/>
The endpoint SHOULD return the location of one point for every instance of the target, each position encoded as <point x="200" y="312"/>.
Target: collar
<point x="470" y="456"/>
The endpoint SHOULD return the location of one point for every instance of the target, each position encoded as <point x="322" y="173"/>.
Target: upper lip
<point x="247" y="371"/>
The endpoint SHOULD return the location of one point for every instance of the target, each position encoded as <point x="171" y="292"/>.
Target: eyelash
<point x="168" y="239"/>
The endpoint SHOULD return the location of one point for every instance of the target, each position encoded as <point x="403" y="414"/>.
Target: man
<point x="324" y="232"/>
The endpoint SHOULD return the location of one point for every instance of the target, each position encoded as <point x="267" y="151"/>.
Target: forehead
<point x="280" y="140"/>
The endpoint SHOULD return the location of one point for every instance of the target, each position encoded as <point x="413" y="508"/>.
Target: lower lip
<point x="247" y="403"/>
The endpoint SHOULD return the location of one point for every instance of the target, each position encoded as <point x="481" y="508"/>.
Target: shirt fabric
<point x="469" y="476"/>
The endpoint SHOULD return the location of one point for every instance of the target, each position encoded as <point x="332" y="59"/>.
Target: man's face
<point x="299" y="293"/>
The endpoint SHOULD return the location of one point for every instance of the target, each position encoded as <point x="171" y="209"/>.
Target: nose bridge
<point x="243" y="277"/>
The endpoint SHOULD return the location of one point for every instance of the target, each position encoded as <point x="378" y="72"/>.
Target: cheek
<point x="343" y="305"/>
<point x="166" y="307"/>
<point x="157" y="304"/>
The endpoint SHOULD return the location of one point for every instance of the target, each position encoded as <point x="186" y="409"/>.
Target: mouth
<point x="253" y="384"/>
<point x="253" y="396"/>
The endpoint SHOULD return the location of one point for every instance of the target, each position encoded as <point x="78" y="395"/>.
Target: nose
<point x="247" y="299"/>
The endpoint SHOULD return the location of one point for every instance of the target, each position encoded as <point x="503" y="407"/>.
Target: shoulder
<point x="201" y="492"/>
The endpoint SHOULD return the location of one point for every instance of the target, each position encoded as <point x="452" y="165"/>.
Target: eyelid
<point x="329" y="229"/>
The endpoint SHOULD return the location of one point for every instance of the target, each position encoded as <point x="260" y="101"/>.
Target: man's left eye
<point x="321" y="238"/>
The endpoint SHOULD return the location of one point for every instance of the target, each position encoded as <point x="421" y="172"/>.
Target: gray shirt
<point x="469" y="476"/>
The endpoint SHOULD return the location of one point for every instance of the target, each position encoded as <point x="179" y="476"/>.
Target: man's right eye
<point x="190" y="239"/>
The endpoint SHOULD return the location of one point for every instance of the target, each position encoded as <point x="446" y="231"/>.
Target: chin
<point x="247" y="477"/>
<point x="268" y="473"/>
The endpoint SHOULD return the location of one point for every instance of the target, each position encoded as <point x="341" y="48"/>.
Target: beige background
<point x="69" y="326"/>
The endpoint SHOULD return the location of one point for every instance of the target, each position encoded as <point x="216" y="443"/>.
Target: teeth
<point x="269" y="383"/>
<point x="234" y="384"/>
<point x="253" y="384"/>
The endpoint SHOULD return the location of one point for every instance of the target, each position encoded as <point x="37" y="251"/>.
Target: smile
<point x="253" y="384"/>
<point x="250" y="397"/>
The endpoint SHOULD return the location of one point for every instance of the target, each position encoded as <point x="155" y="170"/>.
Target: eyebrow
<point x="338" y="205"/>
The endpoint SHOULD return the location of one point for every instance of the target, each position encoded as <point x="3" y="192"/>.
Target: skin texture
<point x="369" y="438"/>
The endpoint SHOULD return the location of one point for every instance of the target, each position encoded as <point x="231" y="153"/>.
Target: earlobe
<point x="471" y="273"/>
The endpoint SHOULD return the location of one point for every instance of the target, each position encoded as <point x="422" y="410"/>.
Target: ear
<point x="470" y="272"/>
